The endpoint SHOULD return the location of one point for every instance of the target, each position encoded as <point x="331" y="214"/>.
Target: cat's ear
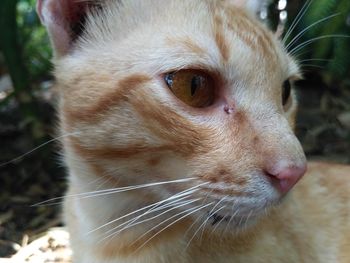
<point x="64" y="20"/>
<point x="252" y="6"/>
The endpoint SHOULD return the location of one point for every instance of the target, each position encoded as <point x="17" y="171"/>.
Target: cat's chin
<point x="235" y="220"/>
<point x="235" y="209"/>
<point x="231" y="224"/>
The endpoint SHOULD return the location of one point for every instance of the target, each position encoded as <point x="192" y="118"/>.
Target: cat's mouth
<point x="216" y="218"/>
<point x="236" y="221"/>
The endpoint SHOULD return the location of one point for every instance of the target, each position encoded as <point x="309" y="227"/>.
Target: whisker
<point x="178" y="205"/>
<point x="21" y="157"/>
<point x="199" y="218"/>
<point x="218" y="223"/>
<point x="297" y="19"/>
<point x="240" y="221"/>
<point x="50" y="202"/>
<point x="297" y="56"/>
<point x="233" y="216"/>
<point x="136" y="187"/>
<point x="202" y="226"/>
<point x="233" y="212"/>
<point x="300" y="34"/>
<point x="211" y="213"/>
<point x="312" y="65"/>
<point x="151" y="211"/>
<point x="191" y="226"/>
<point x="136" y="211"/>
<point x="105" y="182"/>
<point x="314" y="59"/>
<point x="113" y="191"/>
<point x="194" y="190"/>
<point x="248" y="217"/>
<point x="189" y="212"/>
<point x="97" y="181"/>
<point x="310" y="41"/>
<point x="182" y="194"/>
<point x="156" y="208"/>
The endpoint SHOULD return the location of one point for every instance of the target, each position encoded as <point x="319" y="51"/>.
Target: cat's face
<point x="168" y="90"/>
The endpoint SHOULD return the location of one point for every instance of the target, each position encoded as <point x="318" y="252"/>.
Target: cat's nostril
<point x="285" y="177"/>
<point x="273" y="179"/>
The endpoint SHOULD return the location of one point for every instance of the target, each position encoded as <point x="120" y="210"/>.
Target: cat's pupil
<point x="286" y="90"/>
<point x="195" y="84"/>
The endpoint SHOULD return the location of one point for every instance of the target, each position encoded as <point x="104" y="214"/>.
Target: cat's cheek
<point x="291" y="111"/>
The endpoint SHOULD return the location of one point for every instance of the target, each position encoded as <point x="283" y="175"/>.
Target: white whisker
<point x="134" y="212"/>
<point x="247" y="219"/>
<point x="217" y="224"/>
<point x="300" y="34"/>
<point x="310" y="41"/>
<point x="192" y="225"/>
<point x="37" y="148"/>
<point x="182" y="194"/>
<point x="211" y="213"/>
<point x="297" y="19"/>
<point x="233" y="216"/>
<point x="311" y="66"/>
<point x="195" y="188"/>
<point x="314" y="59"/>
<point x="202" y="226"/>
<point x="189" y="212"/>
<point x="114" y="190"/>
<point x="105" y="182"/>
<point x="178" y="205"/>
<point x="233" y="212"/>
<point x="198" y="219"/>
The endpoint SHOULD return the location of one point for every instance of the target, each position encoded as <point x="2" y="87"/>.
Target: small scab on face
<point x="228" y="109"/>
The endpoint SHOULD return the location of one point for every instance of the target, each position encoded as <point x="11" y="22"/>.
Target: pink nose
<point x="284" y="177"/>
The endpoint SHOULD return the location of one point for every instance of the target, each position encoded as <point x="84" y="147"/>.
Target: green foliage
<point x="36" y="46"/>
<point x="334" y="47"/>
<point x="26" y="52"/>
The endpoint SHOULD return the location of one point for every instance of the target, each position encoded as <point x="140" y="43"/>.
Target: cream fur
<point x="128" y="47"/>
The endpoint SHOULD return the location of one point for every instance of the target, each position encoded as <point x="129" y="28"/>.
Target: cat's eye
<point x="193" y="87"/>
<point x="286" y="91"/>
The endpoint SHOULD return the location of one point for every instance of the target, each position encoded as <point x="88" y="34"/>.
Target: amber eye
<point x="193" y="87"/>
<point x="286" y="90"/>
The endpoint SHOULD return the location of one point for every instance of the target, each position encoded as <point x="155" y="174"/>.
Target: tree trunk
<point x="12" y="51"/>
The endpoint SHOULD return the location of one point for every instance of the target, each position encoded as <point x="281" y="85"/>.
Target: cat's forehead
<point x="169" y="35"/>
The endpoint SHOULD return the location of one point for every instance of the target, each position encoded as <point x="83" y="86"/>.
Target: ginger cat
<point x="180" y="118"/>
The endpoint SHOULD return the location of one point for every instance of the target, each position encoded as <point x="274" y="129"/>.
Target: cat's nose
<point x="285" y="176"/>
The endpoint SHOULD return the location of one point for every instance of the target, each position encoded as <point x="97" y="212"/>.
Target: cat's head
<point x="167" y="90"/>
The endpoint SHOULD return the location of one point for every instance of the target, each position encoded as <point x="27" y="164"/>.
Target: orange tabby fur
<point x="128" y="129"/>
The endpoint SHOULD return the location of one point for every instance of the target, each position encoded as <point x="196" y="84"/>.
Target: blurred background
<point x="27" y="101"/>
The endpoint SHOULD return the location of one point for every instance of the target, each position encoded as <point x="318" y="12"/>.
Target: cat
<point x="180" y="116"/>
